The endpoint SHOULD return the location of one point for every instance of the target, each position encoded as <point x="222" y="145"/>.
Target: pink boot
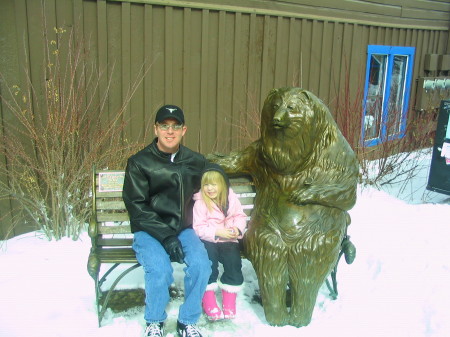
<point x="209" y="303"/>
<point x="228" y="304"/>
<point x="229" y="294"/>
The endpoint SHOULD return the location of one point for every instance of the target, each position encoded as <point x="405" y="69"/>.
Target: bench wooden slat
<point x="241" y="180"/>
<point x="114" y="194"/>
<point x="246" y="195"/>
<point x="242" y="188"/>
<point x="247" y="202"/>
<point x="114" y="242"/>
<point x="116" y="255"/>
<point x="105" y="204"/>
<point x="122" y="229"/>
<point x="110" y="217"/>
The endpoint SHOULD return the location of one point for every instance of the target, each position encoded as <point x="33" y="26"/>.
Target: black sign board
<point x="439" y="177"/>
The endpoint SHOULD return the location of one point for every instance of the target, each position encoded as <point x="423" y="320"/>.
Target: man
<point x="158" y="187"/>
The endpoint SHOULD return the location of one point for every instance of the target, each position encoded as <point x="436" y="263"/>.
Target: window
<point x="386" y="95"/>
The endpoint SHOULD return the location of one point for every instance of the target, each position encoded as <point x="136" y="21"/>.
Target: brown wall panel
<point x="119" y="55"/>
<point x="10" y="60"/>
<point x="400" y="13"/>
<point x="326" y="57"/>
<point x="117" y="72"/>
<point x="293" y="52"/>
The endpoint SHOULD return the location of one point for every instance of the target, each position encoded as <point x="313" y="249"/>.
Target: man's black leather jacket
<point x="158" y="192"/>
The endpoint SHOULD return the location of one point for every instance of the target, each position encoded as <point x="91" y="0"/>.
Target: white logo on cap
<point x="171" y="110"/>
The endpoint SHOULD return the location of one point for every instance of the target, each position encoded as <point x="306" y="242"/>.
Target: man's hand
<point x="173" y="247"/>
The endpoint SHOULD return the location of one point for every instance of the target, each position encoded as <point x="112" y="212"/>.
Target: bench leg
<point x="104" y="304"/>
<point x="349" y="251"/>
<point x="103" y="279"/>
<point x="332" y="288"/>
<point x="98" y="283"/>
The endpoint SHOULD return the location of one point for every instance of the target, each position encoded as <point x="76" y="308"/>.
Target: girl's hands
<point x="228" y="233"/>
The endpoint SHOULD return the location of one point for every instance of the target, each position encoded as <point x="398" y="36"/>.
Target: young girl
<point x="219" y="221"/>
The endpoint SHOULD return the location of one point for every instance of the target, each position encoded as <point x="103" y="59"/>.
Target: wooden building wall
<point x="218" y="59"/>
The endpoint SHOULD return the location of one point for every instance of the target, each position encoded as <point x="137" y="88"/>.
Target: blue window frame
<point x="386" y="94"/>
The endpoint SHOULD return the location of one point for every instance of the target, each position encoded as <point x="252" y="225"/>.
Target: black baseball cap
<point x="169" y="111"/>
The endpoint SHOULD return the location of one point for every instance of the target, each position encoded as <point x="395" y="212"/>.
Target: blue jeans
<point x="159" y="276"/>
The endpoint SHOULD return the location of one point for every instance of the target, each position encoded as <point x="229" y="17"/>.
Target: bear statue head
<point x="294" y="122"/>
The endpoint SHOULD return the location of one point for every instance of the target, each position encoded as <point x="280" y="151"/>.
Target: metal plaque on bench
<point x="110" y="181"/>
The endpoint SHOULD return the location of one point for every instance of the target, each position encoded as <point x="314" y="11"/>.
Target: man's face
<point x="169" y="140"/>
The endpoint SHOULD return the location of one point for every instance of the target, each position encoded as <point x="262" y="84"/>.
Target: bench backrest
<point x="110" y="227"/>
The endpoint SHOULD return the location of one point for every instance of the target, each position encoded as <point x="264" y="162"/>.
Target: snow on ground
<point x="397" y="286"/>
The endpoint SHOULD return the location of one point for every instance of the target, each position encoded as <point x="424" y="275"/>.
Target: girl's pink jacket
<point x="205" y="223"/>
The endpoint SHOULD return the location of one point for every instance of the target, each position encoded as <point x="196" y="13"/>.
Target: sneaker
<point x="187" y="330"/>
<point x="154" y="330"/>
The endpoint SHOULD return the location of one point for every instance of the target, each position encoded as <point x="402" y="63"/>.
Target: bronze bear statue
<point x="305" y="174"/>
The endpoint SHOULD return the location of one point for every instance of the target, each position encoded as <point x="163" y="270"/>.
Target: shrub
<point x="55" y="132"/>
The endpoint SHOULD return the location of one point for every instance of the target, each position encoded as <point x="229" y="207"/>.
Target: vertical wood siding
<point x="218" y="65"/>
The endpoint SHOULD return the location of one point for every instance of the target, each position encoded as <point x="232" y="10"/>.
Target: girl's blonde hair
<point x="215" y="177"/>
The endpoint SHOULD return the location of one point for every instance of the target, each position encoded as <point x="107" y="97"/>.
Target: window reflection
<point x="397" y="94"/>
<point x="375" y="96"/>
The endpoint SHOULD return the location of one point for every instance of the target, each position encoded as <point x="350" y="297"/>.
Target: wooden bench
<point x="111" y="236"/>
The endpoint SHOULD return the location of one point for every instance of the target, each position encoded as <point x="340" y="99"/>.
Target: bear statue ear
<point x="308" y="95"/>
<point x="270" y="95"/>
<point x="272" y="92"/>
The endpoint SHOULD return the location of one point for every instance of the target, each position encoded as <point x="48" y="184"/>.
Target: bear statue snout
<point x="279" y="119"/>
